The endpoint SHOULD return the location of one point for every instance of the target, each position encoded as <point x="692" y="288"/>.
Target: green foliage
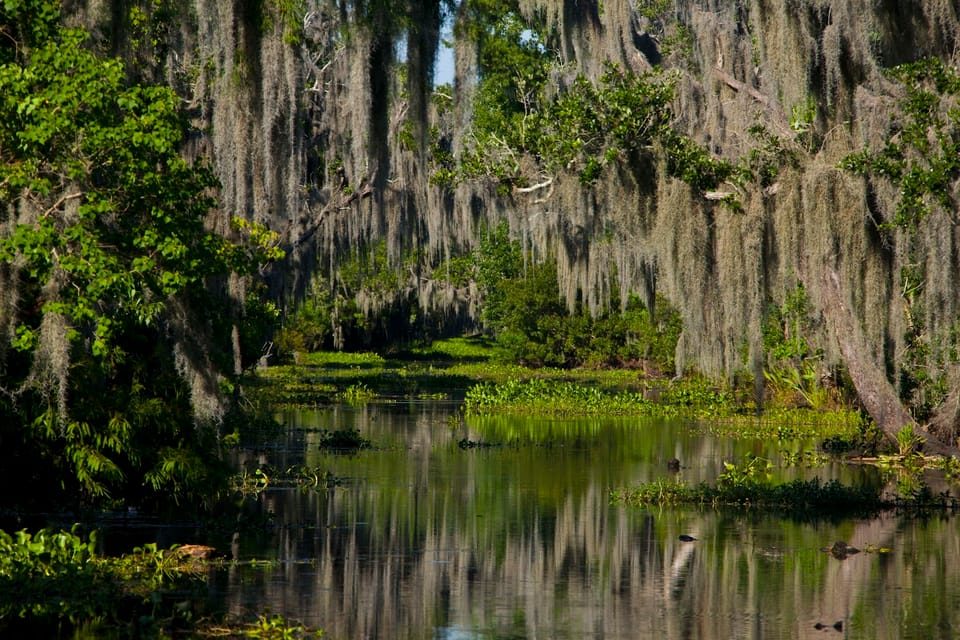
<point x="540" y="395"/>
<point x="803" y="382"/>
<point x="25" y="24"/>
<point x="104" y="239"/>
<point x="580" y="127"/>
<point x="586" y="127"/>
<point x="368" y="300"/>
<point x="358" y="393"/>
<point x="43" y="553"/>
<point x="514" y="64"/>
<point x="290" y="14"/>
<point x="498" y="260"/>
<point x="149" y="27"/>
<point x="521" y="306"/>
<point x="803" y="117"/>
<point x="749" y="474"/>
<point x="699" y="394"/>
<point x="908" y="440"/>
<point x="535" y="327"/>
<point x="589" y="125"/>
<point x="552" y="396"/>
<point x="922" y="156"/>
<point x="793" y="365"/>
<point x="693" y="163"/>
<point x="53" y="581"/>
<point x="763" y="163"/>
<point x="921" y="159"/>
<point x="309" y="327"/>
<point x="922" y="377"/>
<point x="50" y="574"/>
<point x="786" y="327"/>
<point x="258" y="322"/>
<point x="631" y="336"/>
<point x="276" y="627"/>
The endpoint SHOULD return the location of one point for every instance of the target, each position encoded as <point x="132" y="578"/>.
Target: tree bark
<point x="877" y="395"/>
<point x="945" y="424"/>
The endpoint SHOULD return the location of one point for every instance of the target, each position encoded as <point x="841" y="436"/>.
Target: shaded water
<point x="427" y="539"/>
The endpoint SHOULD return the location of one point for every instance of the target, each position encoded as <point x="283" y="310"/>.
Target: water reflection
<point x="517" y="539"/>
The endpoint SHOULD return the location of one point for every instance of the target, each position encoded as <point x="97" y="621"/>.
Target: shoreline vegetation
<point x="51" y="579"/>
<point x="57" y="577"/>
<point x="467" y="371"/>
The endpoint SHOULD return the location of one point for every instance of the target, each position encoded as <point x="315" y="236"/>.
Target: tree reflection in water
<point x="425" y="539"/>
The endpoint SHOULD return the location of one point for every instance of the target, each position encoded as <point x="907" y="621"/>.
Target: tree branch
<point x="64" y="198"/>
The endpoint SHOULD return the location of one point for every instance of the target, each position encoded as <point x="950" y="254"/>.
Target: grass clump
<point x="801" y="496"/>
<point x="358" y="393"/>
<point x="749" y="485"/>
<point x="558" y="397"/>
<point x="276" y="627"/>
<point x="549" y="396"/>
<point x="341" y="359"/>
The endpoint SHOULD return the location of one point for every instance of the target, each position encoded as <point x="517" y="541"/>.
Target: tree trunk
<point x="945" y="424"/>
<point x="876" y="393"/>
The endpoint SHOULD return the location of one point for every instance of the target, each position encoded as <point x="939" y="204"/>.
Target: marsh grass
<point x="465" y="368"/>
<point x="709" y="409"/>
<point x="748" y="484"/>
<point x="798" y="496"/>
<point x="252" y="484"/>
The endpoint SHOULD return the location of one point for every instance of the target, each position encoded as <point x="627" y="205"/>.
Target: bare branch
<point x="536" y="187"/>
<point x="64" y="198"/>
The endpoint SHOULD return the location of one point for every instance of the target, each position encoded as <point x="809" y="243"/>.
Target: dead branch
<point x="63" y="198"/>
<point x="333" y="205"/>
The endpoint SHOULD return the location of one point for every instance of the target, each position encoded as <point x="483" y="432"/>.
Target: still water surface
<point x="426" y="538"/>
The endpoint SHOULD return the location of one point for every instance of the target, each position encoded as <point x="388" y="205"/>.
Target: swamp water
<point x="436" y="534"/>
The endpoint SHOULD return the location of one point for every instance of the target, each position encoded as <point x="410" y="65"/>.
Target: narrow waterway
<point x="503" y="528"/>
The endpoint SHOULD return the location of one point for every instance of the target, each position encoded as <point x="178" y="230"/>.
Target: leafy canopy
<point x="103" y="241"/>
<point x="103" y="204"/>
<point x="922" y="154"/>
<point x="531" y="122"/>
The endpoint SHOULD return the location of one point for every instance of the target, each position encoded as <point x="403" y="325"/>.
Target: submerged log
<point x="876" y="393"/>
